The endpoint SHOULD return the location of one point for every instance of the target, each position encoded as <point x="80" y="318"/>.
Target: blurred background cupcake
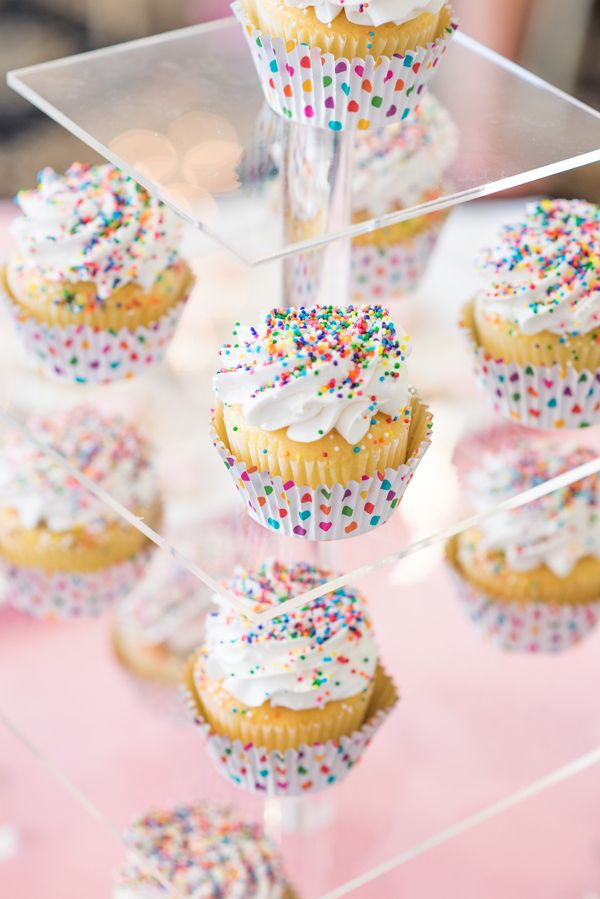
<point x="395" y="168"/>
<point x="158" y="626"/>
<point x="529" y="577"/>
<point x="64" y="552"/>
<point x="535" y="327"/>
<point x="281" y="692"/>
<point x="200" y="850"/>
<point x="96" y="285"/>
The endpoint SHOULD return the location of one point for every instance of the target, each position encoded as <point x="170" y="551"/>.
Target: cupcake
<point x="530" y="576"/>
<point x="96" y="285"/>
<point x="396" y="168"/>
<point x="280" y="697"/>
<point x="345" y="65"/>
<point x="200" y="850"/>
<point x="64" y="552"/>
<point x="315" y="419"/>
<point x="159" y="624"/>
<point x="535" y="328"/>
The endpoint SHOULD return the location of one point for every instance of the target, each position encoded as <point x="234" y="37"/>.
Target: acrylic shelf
<point x="210" y="149"/>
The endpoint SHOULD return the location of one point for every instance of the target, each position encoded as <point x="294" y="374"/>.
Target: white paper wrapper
<point x="306" y="86"/>
<point x="327" y="513"/>
<point x="297" y="771"/>
<point x="303" y="277"/>
<point x="539" y="396"/>
<point x="527" y="627"/>
<point x="80" y="353"/>
<point x="378" y="272"/>
<point x="56" y="594"/>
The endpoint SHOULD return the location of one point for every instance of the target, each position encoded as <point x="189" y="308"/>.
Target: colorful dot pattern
<point x="380" y="272"/>
<point x="544" y="397"/>
<point x="305" y="85"/>
<point x="324" y="513"/>
<point x="295" y="772"/>
<point x="87" y="355"/>
<point x="534" y="627"/>
<point x="57" y="595"/>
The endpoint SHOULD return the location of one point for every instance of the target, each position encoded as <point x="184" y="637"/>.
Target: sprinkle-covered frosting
<point x="546" y="270"/>
<point x="301" y="659"/>
<point x="92" y="224"/>
<point x="373" y="12"/>
<point x="556" y="530"/>
<point x="397" y="166"/>
<point x="204" y="852"/>
<point x="104" y="448"/>
<point x="311" y="370"/>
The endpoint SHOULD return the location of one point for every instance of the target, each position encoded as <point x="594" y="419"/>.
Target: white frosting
<point x="397" y="166"/>
<point x="281" y="379"/>
<point x="306" y="658"/>
<point x="546" y="275"/>
<point x="373" y="12"/>
<point x="92" y="224"/>
<point x="42" y="492"/>
<point x="557" y="530"/>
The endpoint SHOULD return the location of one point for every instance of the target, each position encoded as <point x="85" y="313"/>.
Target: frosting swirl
<point x="92" y="224"/>
<point x="203" y="851"/>
<point x="375" y="12"/>
<point x="311" y="370"/>
<point x="546" y="270"/>
<point x="106" y="449"/>
<point x="300" y="660"/>
<point x="556" y="530"/>
<point x="395" y="167"/>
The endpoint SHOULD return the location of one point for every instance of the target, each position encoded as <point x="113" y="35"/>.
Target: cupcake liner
<point x="88" y="355"/>
<point x="303" y="277"/>
<point x="326" y="513"/>
<point x="530" y="626"/>
<point x="66" y="594"/>
<point x="304" y="85"/>
<point x="538" y="396"/>
<point x="379" y="271"/>
<point x="296" y="771"/>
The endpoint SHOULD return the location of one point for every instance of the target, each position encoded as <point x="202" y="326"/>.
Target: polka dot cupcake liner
<point x="64" y="594"/>
<point x="294" y="772"/>
<point x="538" y="396"/>
<point x="527" y="627"/>
<point x="378" y="272"/>
<point x="88" y="355"/>
<point x="327" y="513"/>
<point x="307" y="86"/>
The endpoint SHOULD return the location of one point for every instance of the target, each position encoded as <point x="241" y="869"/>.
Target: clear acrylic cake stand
<point x="212" y="151"/>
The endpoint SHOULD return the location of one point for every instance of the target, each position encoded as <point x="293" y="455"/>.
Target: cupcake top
<point x="42" y="492"/>
<point x="375" y="12"/>
<point x="556" y="530"/>
<point x="311" y="370"/>
<point x="92" y="224"/>
<point x="204" y="852"/>
<point x="167" y="609"/>
<point x="399" y="165"/>
<point x="546" y="270"/>
<point x="301" y="659"/>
